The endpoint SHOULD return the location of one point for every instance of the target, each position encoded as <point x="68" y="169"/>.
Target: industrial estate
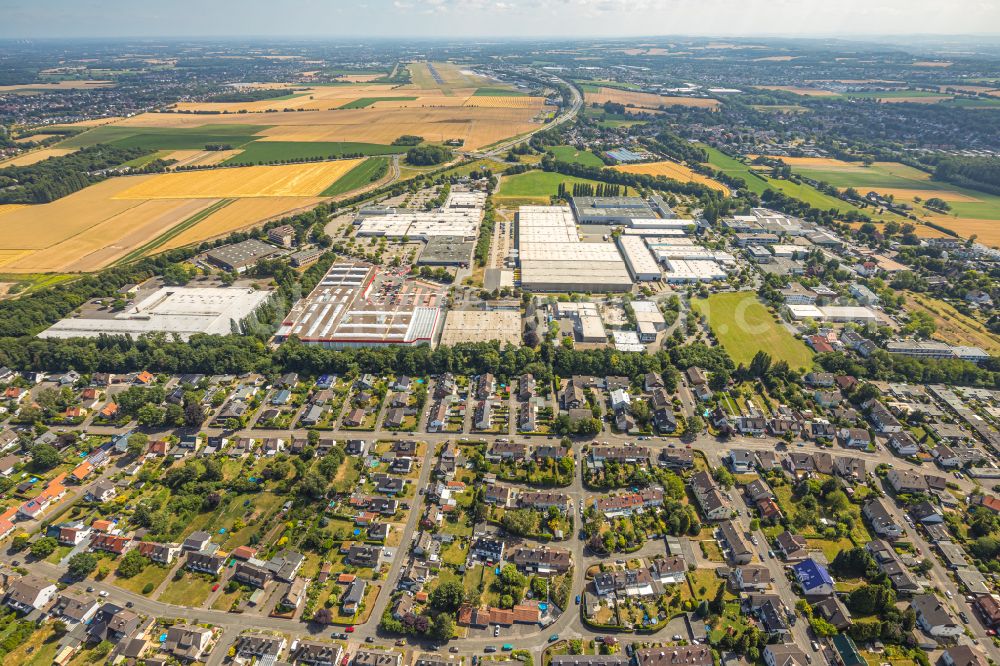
<point x="581" y="353"/>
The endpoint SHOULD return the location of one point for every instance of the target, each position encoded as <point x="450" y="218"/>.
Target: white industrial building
<point x="181" y="311"/>
<point x="459" y="216"/>
<point x="672" y="224"/>
<point x="649" y="312"/>
<point x="552" y="258"/>
<point x="680" y="270"/>
<point x="640" y="262"/>
<point x="612" y="210"/>
<point x="627" y="341"/>
<point x="655" y="231"/>
<point x="833" y="313"/>
<point x="587" y="324"/>
<point x="342" y="312"/>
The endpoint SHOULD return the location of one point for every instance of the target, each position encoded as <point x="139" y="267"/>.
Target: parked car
<point x="578" y="600"/>
<point x="349" y="630"/>
<point x="489" y="648"/>
<point x="553" y="638"/>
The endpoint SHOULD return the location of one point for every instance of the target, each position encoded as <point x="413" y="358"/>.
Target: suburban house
<point x="934" y="618"/>
<point x="881" y="520"/>
<point x="814" y="578"/>
<point x="30" y="593"/>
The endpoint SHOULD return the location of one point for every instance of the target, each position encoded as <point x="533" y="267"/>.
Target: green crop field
<point x="362" y="102"/>
<point x="883" y="176"/>
<point x="571" y="154"/>
<point x="356" y="178"/>
<point x="262" y="152"/>
<point x="536" y="185"/>
<point x="744" y="326"/>
<point x="757" y="183"/>
<point x="498" y="92"/>
<point x="897" y="94"/>
<point x="160" y="138"/>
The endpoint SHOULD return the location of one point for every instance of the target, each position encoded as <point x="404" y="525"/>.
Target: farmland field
<point x="646" y="100"/>
<point x="744" y="326"/>
<point x="363" y="102"/>
<point x="195" y="137"/>
<point x="972" y="212"/>
<point x="505" y="102"/>
<point x="954" y="327"/>
<point x="358" y="177"/>
<point x="289" y="180"/>
<point x="240" y="214"/>
<point x="534" y="186"/>
<point x="497" y="92"/>
<point x="797" y="90"/>
<point x="382" y="123"/>
<point x="35" y="156"/>
<point x="121" y="218"/>
<point x="56" y="85"/>
<point x="571" y="154"/>
<point x="672" y="170"/>
<point x="269" y="151"/>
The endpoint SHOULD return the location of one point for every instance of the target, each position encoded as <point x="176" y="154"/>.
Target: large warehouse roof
<point x="184" y="311"/>
<point x="342" y="311"/>
<point x="552" y="258"/>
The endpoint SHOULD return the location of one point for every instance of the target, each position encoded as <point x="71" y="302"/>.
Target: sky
<point x="493" y="18"/>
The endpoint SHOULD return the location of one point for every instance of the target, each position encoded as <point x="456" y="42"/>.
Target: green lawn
<point x="279" y="151"/>
<point x="574" y="156"/>
<point x="356" y="178"/>
<point x="153" y="573"/>
<point x="368" y="101"/>
<point x="191" y="590"/>
<point x="535" y="185"/>
<point x="744" y="326"/>
<point x="162" y="138"/>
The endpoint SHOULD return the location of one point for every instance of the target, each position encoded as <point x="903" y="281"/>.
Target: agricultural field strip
<point x="289" y="180"/>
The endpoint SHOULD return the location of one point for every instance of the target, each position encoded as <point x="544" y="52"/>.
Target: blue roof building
<point x="814" y="578"/>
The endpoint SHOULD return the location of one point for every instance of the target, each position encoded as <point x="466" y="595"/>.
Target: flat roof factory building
<point x="833" y="313"/>
<point x="697" y="270"/>
<point x="587" y="324"/>
<point x="638" y="259"/>
<point x="553" y="259"/>
<point x="181" y="311"/>
<point x="482" y="326"/>
<point x="238" y="257"/>
<point x="446" y="251"/>
<point x="611" y="210"/>
<point x="352" y="307"/>
<point x="459" y="216"/>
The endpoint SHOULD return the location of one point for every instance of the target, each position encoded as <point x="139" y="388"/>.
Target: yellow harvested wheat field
<point x="111" y="238"/>
<point x="797" y="90"/>
<point x="57" y="85"/>
<point x="513" y="102"/>
<point x="292" y="180"/>
<point x="240" y="214"/>
<point x="36" y="156"/>
<point x="476" y="126"/>
<point x="95" y="227"/>
<point x="646" y="100"/>
<point x="672" y="170"/>
<point x="8" y="208"/>
<point x="200" y="157"/>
